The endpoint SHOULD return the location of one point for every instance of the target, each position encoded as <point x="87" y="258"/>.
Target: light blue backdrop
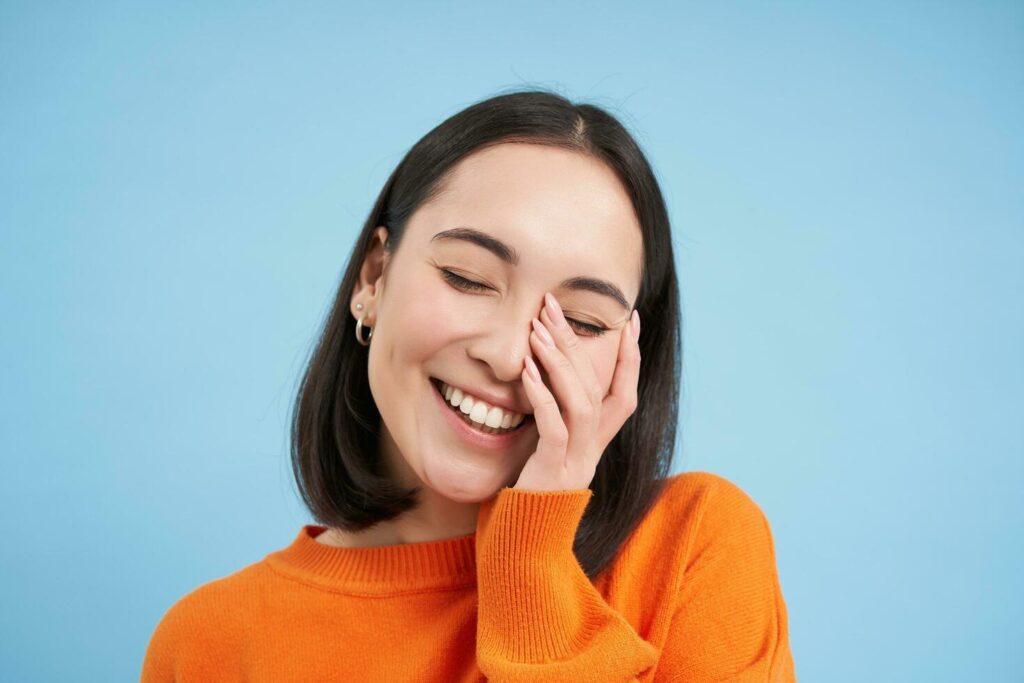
<point x="179" y="186"/>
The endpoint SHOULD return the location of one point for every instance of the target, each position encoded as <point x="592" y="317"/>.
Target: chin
<point x="462" y="484"/>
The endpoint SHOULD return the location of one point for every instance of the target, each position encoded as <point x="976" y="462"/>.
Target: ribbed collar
<point x="525" y="522"/>
<point x="447" y="563"/>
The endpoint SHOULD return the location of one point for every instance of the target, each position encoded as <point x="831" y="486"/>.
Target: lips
<point x="474" y="435"/>
<point x="474" y="425"/>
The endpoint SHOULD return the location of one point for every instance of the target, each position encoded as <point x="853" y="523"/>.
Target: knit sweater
<point x="692" y="595"/>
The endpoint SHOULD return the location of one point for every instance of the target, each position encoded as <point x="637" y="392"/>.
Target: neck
<point x="435" y="518"/>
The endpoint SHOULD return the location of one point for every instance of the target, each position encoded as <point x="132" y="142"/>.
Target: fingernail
<point x="635" y="321"/>
<point x="544" y="335"/>
<point x="554" y="310"/>
<point x="531" y="368"/>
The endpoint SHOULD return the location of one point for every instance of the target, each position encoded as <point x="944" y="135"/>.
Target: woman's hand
<point x="575" y="428"/>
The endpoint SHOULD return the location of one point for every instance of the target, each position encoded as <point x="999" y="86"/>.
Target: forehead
<point x="558" y="208"/>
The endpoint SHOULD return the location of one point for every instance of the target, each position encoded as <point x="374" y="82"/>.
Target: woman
<point x="485" y="452"/>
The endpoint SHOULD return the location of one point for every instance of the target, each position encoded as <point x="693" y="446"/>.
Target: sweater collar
<point x="447" y="563"/>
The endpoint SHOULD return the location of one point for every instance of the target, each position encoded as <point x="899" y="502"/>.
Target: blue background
<point x="179" y="186"/>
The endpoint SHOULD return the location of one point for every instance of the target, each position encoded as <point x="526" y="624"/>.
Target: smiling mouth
<point x="476" y="425"/>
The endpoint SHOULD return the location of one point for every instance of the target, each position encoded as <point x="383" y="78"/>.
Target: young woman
<point x="485" y="438"/>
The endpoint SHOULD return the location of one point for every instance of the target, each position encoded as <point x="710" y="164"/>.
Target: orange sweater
<point x="693" y="595"/>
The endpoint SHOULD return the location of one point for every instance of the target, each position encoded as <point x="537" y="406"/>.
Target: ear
<point x="371" y="274"/>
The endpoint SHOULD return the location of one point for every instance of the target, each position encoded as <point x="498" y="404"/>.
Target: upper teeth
<point x="478" y="410"/>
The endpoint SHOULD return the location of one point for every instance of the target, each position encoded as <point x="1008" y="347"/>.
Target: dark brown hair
<point x="335" y="422"/>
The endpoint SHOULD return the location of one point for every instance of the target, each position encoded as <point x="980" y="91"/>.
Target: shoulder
<point x="691" y="496"/>
<point x="697" y="511"/>
<point x="206" y="623"/>
<point x="218" y="600"/>
<point x="709" y="492"/>
<point x="719" y="515"/>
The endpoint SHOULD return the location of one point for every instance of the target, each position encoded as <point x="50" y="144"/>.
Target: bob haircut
<point x="335" y="422"/>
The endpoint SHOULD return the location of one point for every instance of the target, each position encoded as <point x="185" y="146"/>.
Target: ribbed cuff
<point x="533" y="523"/>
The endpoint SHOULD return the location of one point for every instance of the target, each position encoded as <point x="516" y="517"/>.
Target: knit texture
<point x="693" y="595"/>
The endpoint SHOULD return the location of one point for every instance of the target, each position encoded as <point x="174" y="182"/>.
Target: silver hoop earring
<point x="359" y="333"/>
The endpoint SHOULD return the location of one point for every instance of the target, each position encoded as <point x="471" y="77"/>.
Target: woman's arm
<point x="539" y="617"/>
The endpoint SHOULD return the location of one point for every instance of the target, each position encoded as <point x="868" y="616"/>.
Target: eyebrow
<point x="509" y="255"/>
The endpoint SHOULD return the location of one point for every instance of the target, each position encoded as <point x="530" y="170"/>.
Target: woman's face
<point x="561" y="215"/>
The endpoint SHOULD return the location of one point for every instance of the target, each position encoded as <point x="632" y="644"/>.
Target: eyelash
<point x="462" y="283"/>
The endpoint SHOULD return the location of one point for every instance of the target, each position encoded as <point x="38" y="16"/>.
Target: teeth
<point x="494" y="417"/>
<point x="479" y="411"/>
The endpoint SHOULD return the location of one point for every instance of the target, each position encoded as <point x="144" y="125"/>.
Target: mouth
<point x="481" y="429"/>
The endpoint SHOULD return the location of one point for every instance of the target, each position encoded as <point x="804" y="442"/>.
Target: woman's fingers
<point x="569" y="344"/>
<point x="552" y="430"/>
<point x="621" y="400"/>
<point x="578" y="410"/>
<point x="564" y="386"/>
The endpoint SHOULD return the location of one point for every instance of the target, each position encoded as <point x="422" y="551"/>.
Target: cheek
<point x="419" y="320"/>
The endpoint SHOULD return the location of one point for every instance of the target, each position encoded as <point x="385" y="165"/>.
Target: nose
<point x="505" y="344"/>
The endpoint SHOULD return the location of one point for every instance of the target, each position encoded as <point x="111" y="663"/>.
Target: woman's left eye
<point x="588" y="329"/>
<point x="460" y="282"/>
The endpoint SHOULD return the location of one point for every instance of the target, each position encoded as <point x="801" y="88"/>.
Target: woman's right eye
<point x="461" y="282"/>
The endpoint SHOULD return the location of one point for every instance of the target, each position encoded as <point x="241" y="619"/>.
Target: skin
<point x="567" y="215"/>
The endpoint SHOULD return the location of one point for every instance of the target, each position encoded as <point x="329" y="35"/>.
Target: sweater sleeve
<point x="197" y="639"/>
<point x="730" y="621"/>
<point x="539" y="617"/>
